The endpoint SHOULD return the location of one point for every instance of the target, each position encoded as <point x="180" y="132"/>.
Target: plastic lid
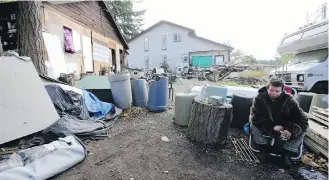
<point x="119" y="76"/>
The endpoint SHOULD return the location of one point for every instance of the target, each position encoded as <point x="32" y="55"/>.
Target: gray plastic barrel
<point x="183" y="106"/>
<point x="121" y="90"/>
<point x="140" y="92"/>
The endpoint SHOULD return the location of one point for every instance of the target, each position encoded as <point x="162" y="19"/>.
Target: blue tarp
<point x="98" y="108"/>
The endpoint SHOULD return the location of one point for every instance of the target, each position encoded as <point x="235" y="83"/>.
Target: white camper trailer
<point x="308" y="70"/>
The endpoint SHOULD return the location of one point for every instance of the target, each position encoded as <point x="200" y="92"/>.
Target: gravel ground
<point x="135" y="151"/>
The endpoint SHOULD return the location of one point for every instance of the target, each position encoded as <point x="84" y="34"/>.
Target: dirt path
<point x="135" y="151"/>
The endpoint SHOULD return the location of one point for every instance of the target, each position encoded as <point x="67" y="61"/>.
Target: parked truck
<point x="308" y="69"/>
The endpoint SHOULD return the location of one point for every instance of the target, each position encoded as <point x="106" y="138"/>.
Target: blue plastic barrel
<point x="158" y="94"/>
<point x="216" y="91"/>
<point x="140" y="92"/>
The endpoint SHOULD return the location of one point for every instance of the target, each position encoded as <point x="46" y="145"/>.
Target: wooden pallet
<point x="316" y="118"/>
<point x="317" y="137"/>
<point x="322" y="111"/>
<point x="318" y="149"/>
<point x="320" y="115"/>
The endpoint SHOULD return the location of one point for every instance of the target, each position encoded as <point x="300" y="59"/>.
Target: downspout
<point x="229" y="57"/>
<point x="189" y="59"/>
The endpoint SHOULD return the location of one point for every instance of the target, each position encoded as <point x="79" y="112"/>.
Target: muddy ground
<point x="135" y="151"/>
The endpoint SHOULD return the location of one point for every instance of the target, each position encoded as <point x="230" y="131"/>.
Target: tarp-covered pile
<point x="75" y="109"/>
<point x="77" y="115"/>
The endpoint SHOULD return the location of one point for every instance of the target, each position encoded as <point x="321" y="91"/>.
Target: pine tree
<point x="128" y="20"/>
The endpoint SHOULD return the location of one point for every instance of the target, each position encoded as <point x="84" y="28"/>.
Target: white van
<point x="308" y="70"/>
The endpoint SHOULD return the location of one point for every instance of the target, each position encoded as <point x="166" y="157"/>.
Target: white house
<point x="174" y="44"/>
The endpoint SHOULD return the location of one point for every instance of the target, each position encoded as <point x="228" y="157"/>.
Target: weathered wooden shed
<point x="88" y="25"/>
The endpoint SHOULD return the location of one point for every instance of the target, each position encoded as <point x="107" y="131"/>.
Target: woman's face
<point x="274" y="92"/>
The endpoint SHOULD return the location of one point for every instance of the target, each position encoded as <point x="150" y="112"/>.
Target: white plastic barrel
<point x="121" y="89"/>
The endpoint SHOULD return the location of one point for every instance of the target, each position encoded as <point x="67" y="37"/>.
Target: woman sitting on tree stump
<point x="276" y="117"/>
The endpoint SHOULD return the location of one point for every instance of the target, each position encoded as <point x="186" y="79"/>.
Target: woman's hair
<point x="277" y="82"/>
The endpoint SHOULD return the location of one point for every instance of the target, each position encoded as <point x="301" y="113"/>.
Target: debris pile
<point x="251" y="81"/>
<point x="315" y="162"/>
<point x="241" y="75"/>
<point x="224" y="71"/>
<point x="134" y="112"/>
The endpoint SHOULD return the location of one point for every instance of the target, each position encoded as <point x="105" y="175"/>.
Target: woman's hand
<point x="285" y="134"/>
<point x="278" y="128"/>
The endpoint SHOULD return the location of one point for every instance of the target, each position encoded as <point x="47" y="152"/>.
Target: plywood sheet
<point x="87" y="55"/>
<point x="25" y="106"/>
<point x="55" y="54"/>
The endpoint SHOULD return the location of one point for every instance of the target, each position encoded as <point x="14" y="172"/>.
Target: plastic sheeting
<point x="75" y="117"/>
<point x="66" y="152"/>
<point x="67" y="102"/>
<point x="68" y="125"/>
<point x="98" y="108"/>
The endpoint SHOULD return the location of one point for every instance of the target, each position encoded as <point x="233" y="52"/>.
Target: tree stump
<point x="209" y="124"/>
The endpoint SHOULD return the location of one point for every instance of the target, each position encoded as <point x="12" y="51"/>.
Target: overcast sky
<point x="255" y="26"/>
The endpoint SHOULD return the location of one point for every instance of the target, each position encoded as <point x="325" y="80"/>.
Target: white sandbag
<point x="196" y="89"/>
<point x="247" y="91"/>
<point x="66" y="152"/>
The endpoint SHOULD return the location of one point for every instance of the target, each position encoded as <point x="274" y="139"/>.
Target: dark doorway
<point x="114" y="64"/>
<point x="121" y="59"/>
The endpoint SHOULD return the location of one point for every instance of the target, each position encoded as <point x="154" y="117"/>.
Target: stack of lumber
<point x="317" y="137"/>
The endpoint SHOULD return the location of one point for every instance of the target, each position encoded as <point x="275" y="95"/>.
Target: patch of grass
<point x="228" y="83"/>
<point x="255" y="74"/>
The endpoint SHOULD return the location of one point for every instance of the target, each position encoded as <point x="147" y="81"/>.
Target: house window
<point x="146" y="63"/>
<point x="164" y="59"/>
<point x="68" y="40"/>
<point x="146" y="44"/>
<point x="164" y="42"/>
<point x="177" y="37"/>
<point x="185" y="58"/>
<point x="219" y="60"/>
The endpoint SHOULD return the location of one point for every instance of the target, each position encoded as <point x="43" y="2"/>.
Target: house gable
<point x="175" y="52"/>
<point x="191" y="33"/>
<point x="201" y="44"/>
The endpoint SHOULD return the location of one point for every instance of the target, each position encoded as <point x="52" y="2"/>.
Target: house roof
<point x="191" y="33"/>
<point x="109" y="17"/>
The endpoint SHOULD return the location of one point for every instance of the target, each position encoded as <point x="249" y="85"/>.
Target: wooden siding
<point x="89" y="14"/>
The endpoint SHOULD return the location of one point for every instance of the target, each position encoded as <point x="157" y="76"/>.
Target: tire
<point x="320" y="88"/>
<point x="241" y="110"/>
